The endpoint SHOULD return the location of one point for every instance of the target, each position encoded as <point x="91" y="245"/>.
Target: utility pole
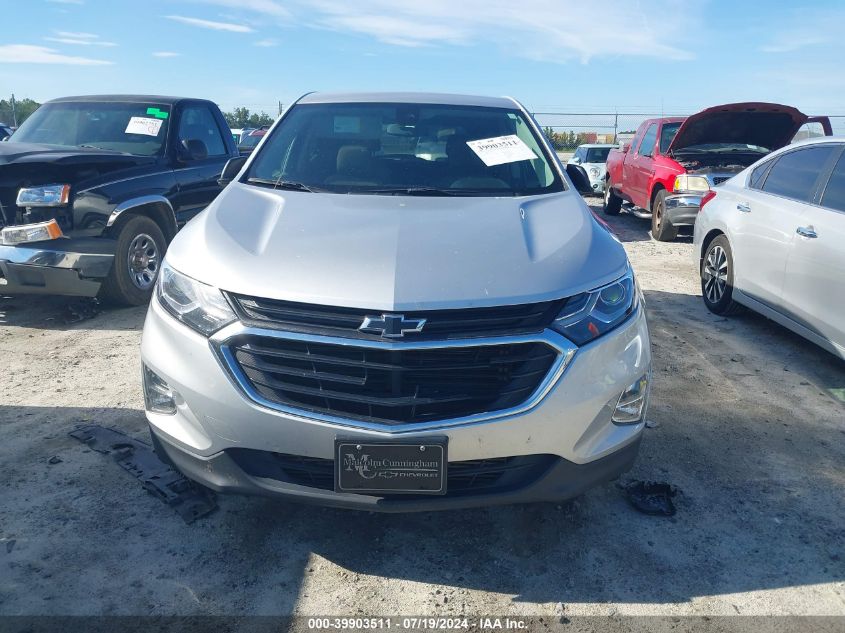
<point x="14" y="113"/>
<point x="281" y="107"/>
<point x="616" y="126"/>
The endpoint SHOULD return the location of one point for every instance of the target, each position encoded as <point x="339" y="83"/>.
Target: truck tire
<point x="137" y="260"/>
<point x="717" y="278"/>
<point x="612" y="202"/>
<point x="661" y="228"/>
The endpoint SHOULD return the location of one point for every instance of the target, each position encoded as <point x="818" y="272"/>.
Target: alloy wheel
<point x="715" y="274"/>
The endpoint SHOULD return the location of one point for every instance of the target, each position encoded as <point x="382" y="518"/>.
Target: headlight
<point x="591" y="314"/>
<point x="24" y="233"/>
<point x="195" y="304"/>
<point x="685" y="182"/>
<point x="594" y="172"/>
<point x="44" y="196"/>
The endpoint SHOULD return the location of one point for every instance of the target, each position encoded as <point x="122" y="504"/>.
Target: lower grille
<point x="477" y="476"/>
<point x="392" y="385"/>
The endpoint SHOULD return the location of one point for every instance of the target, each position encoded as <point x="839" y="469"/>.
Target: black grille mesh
<point x="440" y="324"/>
<point x="392" y="386"/>
<point x="477" y="476"/>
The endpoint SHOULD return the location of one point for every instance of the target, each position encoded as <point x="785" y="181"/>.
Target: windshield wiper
<point x="281" y="184"/>
<point x="434" y="191"/>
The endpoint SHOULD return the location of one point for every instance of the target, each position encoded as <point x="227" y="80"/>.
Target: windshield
<point x="250" y="141"/>
<point x="134" y="128"/>
<point x="414" y="149"/>
<point x="597" y="155"/>
<point x="667" y="135"/>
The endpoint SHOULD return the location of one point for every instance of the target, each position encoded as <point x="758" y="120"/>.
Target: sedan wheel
<point x="717" y="278"/>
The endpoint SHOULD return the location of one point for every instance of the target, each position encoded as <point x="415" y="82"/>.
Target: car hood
<point x="21" y="153"/>
<point x="397" y="252"/>
<point x="769" y="125"/>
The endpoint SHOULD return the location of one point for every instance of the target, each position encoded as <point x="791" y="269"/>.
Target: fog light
<point x="158" y="396"/>
<point x="630" y="408"/>
<point x="39" y="232"/>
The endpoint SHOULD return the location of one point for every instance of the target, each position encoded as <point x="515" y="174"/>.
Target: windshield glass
<point x="389" y="148"/>
<point x="250" y="141"/>
<point x="667" y="135"/>
<point x="134" y="128"/>
<point x="597" y="154"/>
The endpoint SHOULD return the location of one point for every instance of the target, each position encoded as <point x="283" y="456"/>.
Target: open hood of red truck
<point x="768" y="125"/>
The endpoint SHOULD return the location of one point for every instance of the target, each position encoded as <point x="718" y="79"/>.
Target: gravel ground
<point x="748" y="424"/>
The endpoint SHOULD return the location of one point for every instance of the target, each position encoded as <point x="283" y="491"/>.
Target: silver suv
<point x="400" y="302"/>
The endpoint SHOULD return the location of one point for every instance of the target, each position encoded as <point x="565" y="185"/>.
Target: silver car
<point x="773" y="239"/>
<point x="360" y="321"/>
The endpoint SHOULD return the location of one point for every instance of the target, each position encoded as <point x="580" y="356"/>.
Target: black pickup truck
<point x="92" y="189"/>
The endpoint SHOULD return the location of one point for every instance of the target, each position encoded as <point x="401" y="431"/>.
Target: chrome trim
<point x="54" y="259"/>
<point x="219" y="344"/>
<point x="139" y="202"/>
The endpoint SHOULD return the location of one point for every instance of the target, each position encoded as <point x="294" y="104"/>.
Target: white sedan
<point x="773" y="239"/>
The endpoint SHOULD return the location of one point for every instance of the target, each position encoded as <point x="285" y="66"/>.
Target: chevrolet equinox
<point x="399" y="302"/>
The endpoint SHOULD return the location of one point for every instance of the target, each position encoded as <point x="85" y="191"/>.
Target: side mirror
<point x="5" y="138"/>
<point x="193" y="149"/>
<point x="231" y="169"/>
<point x="578" y="176"/>
<point x="625" y="147"/>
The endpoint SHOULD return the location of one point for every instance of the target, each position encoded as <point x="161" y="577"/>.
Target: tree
<point x="23" y="108"/>
<point x="240" y="118"/>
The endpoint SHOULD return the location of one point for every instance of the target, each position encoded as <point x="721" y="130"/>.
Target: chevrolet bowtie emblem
<point x="391" y="325"/>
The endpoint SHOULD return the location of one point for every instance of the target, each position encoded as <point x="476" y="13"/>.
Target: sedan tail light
<point x="707" y="197"/>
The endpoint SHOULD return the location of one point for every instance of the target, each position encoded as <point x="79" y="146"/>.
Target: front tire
<point x="717" y="278"/>
<point x="137" y="260"/>
<point x="661" y="228"/>
<point x="612" y="202"/>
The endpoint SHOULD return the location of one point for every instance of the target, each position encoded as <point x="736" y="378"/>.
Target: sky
<point x="672" y="56"/>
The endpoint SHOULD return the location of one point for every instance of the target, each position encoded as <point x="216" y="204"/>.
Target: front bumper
<point x="571" y="423"/>
<point x="72" y="266"/>
<point x="682" y="209"/>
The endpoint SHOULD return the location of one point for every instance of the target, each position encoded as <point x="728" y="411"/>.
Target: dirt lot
<point x="750" y="425"/>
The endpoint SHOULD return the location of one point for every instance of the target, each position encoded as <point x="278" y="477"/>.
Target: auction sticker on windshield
<point x="143" y="125"/>
<point x="501" y="149"/>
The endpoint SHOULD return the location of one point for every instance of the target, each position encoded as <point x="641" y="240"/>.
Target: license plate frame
<point x="357" y="463"/>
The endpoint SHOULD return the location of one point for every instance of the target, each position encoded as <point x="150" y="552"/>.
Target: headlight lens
<point x="594" y="172"/>
<point x="195" y="304"/>
<point x="589" y="315"/>
<point x="44" y="196"/>
<point x="685" y="182"/>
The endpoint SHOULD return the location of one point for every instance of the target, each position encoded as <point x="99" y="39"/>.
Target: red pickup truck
<point x="672" y="162"/>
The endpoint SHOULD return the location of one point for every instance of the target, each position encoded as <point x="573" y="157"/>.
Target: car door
<point x="197" y="175"/>
<point x="642" y="168"/>
<point x="814" y="284"/>
<point x="767" y="213"/>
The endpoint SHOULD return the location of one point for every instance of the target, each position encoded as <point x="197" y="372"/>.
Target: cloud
<point x="27" y="54"/>
<point x="79" y="39"/>
<point x="544" y="30"/>
<point x="266" y="43"/>
<point x="165" y="54"/>
<point x="792" y="44"/>
<point x="264" y="7"/>
<point x="210" y="24"/>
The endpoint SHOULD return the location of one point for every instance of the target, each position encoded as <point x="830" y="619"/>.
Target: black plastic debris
<point x="81" y="309"/>
<point x="651" y="497"/>
<point x="187" y="498"/>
